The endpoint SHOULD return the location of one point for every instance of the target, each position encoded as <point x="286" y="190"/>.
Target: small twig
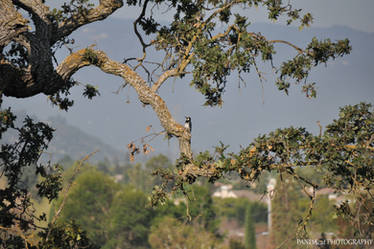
<point x="153" y="135"/>
<point x="262" y="79"/>
<point x="128" y="59"/>
<point x="299" y="50"/>
<point x="76" y="171"/>
<point x="144" y="45"/>
<point x="120" y="88"/>
<point x="320" y="128"/>
<point x="284" y="242"/>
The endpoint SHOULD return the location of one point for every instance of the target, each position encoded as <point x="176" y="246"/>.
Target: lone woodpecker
<point x="188" y="123"/>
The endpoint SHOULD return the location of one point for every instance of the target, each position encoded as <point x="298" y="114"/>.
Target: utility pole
<point x="270" y="192"/>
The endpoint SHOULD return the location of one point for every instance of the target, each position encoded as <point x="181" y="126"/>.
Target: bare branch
<point x="289" y="44"/>
<point x="66" y="192"/>
<point x="163" y="78"/>
<point x="140" y="17"/>
<point x="221" y="35"/>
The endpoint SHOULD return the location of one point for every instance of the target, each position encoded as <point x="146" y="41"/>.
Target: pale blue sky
<point x="357" y="14"/>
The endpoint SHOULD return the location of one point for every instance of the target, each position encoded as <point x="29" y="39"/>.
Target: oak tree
<point x="205" y="42"/>
<point x="192" y="43"/>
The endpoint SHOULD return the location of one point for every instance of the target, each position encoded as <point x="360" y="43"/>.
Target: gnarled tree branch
<point x="146" y="95"/>
<point x="12" y="23"/>
<point x="38" y="74"/>
<point x="38" y="11"/>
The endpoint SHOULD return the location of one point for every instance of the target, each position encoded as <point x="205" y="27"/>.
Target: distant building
<point x="225" y="191"/>
<point x="118" y="178"/>
<point x="250" y="195"/>
<point x="331" y="194"/>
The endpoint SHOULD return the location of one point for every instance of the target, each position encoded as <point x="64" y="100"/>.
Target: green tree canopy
<point x="207" y="40"/>
<point x="201" y="208"/>
<point x="112" y="215"/>
<point x="130" y="220"/>
<point x="343" y="153"/>
<point x="171" y="233"/>
<point x="93" y="193"/>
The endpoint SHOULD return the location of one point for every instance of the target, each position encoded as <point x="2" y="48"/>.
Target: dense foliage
<point x="343" y="153"/>
<point x="17" y="213"/>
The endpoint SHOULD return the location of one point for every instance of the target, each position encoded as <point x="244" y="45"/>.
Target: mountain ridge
<point x="68" y="141"/>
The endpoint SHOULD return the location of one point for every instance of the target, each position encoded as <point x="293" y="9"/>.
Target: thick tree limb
<point x="38" y="76"/>
<point x="12" y="23"/>
<point x="35" y="7"/>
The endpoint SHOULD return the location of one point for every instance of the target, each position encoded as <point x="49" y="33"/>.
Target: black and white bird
<point x="188" y="123"/>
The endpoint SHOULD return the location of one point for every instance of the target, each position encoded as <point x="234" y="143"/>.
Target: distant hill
<point x="69" y="141"/>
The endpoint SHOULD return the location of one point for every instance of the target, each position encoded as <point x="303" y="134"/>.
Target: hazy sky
<point x="357" y="14"/>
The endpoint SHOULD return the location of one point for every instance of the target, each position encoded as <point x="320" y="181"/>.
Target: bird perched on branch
<point x="188" y="123"/>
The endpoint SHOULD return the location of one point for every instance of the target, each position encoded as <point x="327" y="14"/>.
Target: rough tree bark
<point x="12" y="23"/>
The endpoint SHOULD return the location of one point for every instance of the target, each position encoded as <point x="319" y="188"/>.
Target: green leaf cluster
<point x="69" y="9"/>
<point x="213" y="53"/>
<point x="298" y="68"/>
<point x="90" y="91"/>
